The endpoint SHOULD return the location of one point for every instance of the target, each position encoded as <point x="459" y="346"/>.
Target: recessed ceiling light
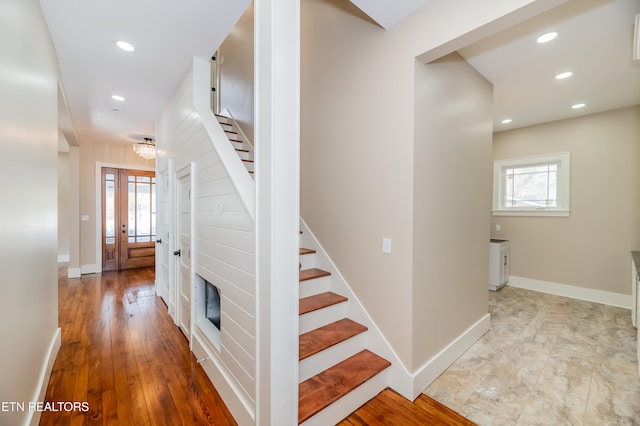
<point x="506" y="121"/>
<point x="578" y="106"/>
<point x="118" y="98"/>
<point x="564" y="75"/>
<point x="545" y="38"/>
<point x="125" y="46"/>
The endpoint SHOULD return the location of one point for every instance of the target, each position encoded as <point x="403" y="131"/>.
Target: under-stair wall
<point x="223" y="241"/>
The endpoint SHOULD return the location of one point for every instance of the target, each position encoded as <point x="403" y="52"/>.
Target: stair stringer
<point x="396" y="376"/>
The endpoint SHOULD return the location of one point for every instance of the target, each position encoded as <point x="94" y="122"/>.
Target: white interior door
<point x="163" y="242"/>
<point x="183" y="251"/>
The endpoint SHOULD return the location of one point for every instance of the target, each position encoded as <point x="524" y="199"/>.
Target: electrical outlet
<point x="497" y="228"/>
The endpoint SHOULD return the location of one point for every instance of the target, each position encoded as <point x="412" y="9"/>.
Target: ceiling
<point x="167" y="34"/>
<point x="594" y="41"/>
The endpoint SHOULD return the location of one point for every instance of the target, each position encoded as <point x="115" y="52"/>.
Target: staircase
<point x="337" y="372"/>
<point x="239" y="142"/>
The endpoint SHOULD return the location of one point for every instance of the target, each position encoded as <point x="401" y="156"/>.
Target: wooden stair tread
<point x="242" y="150"/>
<point x="325" y="388"/>
<point x="247" y="161"/>
<point x="309" y="274"/>
<point x="306" y="251"/>
<point x="314" y="341"/>
<point x="235" y="140"/>
<point x="319" y="301"/>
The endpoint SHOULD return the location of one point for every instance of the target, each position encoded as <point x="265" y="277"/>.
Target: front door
<point x="128" y="219"/>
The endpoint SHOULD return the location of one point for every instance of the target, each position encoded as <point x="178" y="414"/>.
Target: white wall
<point x="236" y="73"/>
<point x="452" y="202"/>
<point x="590" y="248"/>
<point x="63" y="206"/>
<point x="357" y="142"/>
<point x="29" y="145"/>
<point x="224" y="239"/>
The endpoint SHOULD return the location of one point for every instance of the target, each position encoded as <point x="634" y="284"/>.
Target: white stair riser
<point x="237" y="145"/>
<point x="329" y="357"/>
<point x="245" y="155"/>
<point x="340" y="409"/>
<point x="248" y="165"/>
<point x="308" y="261"/>
<point x="314" y="286"/>
<point x="321" y="317"/>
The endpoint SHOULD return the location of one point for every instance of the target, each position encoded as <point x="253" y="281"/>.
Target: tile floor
<point x="547" y="360"/>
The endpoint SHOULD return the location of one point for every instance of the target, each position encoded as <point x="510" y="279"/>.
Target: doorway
<point x="128" y="218"/>
<point x="183" y="252"/>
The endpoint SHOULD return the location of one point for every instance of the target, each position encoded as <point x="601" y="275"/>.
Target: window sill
<point x="556" y="213"/>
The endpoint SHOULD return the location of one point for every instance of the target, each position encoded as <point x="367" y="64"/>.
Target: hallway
<point x="122" y="354"/>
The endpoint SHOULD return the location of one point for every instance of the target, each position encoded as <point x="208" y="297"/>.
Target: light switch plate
<point x="386" y="245"/>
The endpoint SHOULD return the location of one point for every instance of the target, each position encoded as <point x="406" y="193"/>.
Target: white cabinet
<point x="498" y="263"/>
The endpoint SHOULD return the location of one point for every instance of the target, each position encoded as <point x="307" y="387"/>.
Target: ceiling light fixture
<point x="118" y="98"/>
<point x="506" y="121"/>
<point x="545" y="38"/>
<point x="564" y="75"/>
<point x="146" y="149"/>
<point x="125" y="46"/>
<point x="578" y="106"/>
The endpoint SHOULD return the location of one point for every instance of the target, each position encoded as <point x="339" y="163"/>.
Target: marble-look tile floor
<point x="546" y="360"/>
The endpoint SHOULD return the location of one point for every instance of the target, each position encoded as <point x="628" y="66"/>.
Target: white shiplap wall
<point x="224" y="239"/>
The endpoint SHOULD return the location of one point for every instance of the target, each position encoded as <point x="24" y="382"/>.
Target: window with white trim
<point x="532" y="186"/>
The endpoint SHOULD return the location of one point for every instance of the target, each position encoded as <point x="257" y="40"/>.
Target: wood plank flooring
<point x="391" y="409"/>
<point x="124" y="356"/>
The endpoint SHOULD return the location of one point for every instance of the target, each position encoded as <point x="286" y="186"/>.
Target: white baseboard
<point x="88" y="269"/>
<point x="242" y="410"/>
<point x="443" y="360"/>
<point x="573" y="292"/>
<point x="63" y="258"/>
<point x="74" y="273"/>
<point x="33" y="417"/>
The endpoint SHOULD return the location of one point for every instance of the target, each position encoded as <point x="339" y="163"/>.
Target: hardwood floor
<point x="391" y="409"/>
<point x="123" y="355"/>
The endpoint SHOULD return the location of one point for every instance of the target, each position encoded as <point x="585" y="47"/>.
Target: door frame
<point x="188" y="170"/>
<point x="97" y="268"/>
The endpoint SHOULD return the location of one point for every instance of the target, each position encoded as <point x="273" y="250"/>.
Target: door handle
<point x="176" y="253"/>
<point x="159" y="241"/>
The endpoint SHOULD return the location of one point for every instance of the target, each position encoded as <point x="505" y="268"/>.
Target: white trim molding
<point x="63" y="258"/>
<point x="430" y="371"/>
<point x="33" y="418"/>
<point x="500" y="168"/>
<point x="573" y="292"/>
